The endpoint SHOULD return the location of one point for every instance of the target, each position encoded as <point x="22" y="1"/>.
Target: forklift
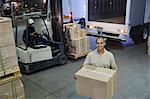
<point x="41" y="56"/>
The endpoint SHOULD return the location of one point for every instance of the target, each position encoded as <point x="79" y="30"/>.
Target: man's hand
<point x="32" y="34"/>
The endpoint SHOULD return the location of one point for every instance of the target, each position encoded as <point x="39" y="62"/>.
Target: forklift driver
<point x="32" y="38"/>
<point x="29" y="34"/>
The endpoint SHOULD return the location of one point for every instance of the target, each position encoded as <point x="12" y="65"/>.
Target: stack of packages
<point x="11" y="86"/>
<point x="80" y="44"/>
<point x="148" y="44"/>
<point x="96" y="82"/>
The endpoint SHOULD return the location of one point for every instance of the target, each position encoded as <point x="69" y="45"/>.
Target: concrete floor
<point x="58" y="82"/>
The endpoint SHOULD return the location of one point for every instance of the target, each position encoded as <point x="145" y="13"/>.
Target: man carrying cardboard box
<point x="97" y="77"/>
<point x="100" y="56"/>
<point x="96" y="82"/>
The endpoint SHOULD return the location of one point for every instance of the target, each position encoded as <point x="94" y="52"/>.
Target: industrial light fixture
<point x="44" y="1"/>
<point x="123" y="30"/>
<point x="91" y="27"/>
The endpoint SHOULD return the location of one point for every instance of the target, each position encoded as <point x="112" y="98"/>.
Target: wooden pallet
<point x="10" y="74"/>
<point x="76" y="56"/>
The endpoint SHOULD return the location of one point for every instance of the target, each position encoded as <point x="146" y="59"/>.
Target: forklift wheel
<point x="62" y="59"/>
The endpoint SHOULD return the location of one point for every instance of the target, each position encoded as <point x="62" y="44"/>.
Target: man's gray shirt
<point x="105" y="60"/>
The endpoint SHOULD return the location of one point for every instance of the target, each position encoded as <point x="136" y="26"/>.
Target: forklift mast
<point x="57" y="20"/>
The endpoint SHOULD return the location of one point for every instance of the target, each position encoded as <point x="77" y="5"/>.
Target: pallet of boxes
<point x="11" y="86"/>
<point x="96" y="82"/>
<point x="148" y="44"/>
<point x="79" y="42"/>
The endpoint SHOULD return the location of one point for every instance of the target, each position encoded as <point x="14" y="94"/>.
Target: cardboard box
<point x="148" y="50"/>
<point x="82" y="33"/>
<point x="148" y="42"/>
<point x="77" y="33"/>
<point x="72" y="25"/>
<point x="87" y="44"/>
<point x="74" y="33"/>
<point x="12" y="90"/>
<point x="76" y="45"/>
<point x="80" y="45"/>
<point x="5" y="25"/>
<point x="75" y="30"/>
<point x="8" y="57"/>
<point x="96" y="82"/>
<point x="6" y="40"/>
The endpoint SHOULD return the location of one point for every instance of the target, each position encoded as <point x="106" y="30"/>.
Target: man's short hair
<point x="104" y="39"/>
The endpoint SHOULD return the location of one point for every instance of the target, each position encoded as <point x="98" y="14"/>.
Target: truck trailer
<point x="115" y="17"/>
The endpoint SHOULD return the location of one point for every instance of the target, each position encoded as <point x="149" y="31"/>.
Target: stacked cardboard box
<point x="12" y="90"/>
<point x="8" y="57"/>
<point x="148" y="44"/>
<point x="80" y="44"/>
<point x="10" y="84"/>
<point x="96" y="82"/>
<point x="5" y="25"/>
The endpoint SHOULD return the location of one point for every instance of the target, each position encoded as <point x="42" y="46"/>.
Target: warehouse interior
<point x="58" y="81"/>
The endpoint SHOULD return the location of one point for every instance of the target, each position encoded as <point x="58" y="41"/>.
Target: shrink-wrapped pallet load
<point x="12" y="90"/>
<point x="11" y="86"/>
<point x="148" y="44"/>
<point x="9" y="68"/>
<point x="5" y="25"/>
<point x="73" y="30"/>
<point x="148" y="41"/>
<point x="8" y="57"/>
<point x="6" y="40"/>
<point x="80" y="44"/>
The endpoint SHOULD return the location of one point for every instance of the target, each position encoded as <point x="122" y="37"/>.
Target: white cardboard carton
<point x="6" y="40"/>
<point x="8" y="57"/>
<point x="148" y="42"/>
<point x="5" y="25"/>
<point x="12" y="90"/>
<point x="96" y="82"/>
<point x="80" y="45"/>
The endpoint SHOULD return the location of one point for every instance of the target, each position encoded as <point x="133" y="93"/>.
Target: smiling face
<point x="100" y="43"/>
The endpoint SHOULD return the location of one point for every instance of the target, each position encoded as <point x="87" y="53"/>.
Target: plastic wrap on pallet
<point x="87" y="46"/>
<point x="77" y="33"/>
<point x="80" y="45"/>
<point x="76" y="46"/>
<point x="148" y="50"/>
<point x="72" y="25"/>
<point x="6" y="32"/>
<point x="74" y="30"/>
<point x="148" y="42"/>
<point x="82" y="33"/>
<point x="5" y="25"/>
<point x="6" y="40"/>
<point x="12" y="90"/>
<point x="8" y="57"/>
<point x="73" y="33"/>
